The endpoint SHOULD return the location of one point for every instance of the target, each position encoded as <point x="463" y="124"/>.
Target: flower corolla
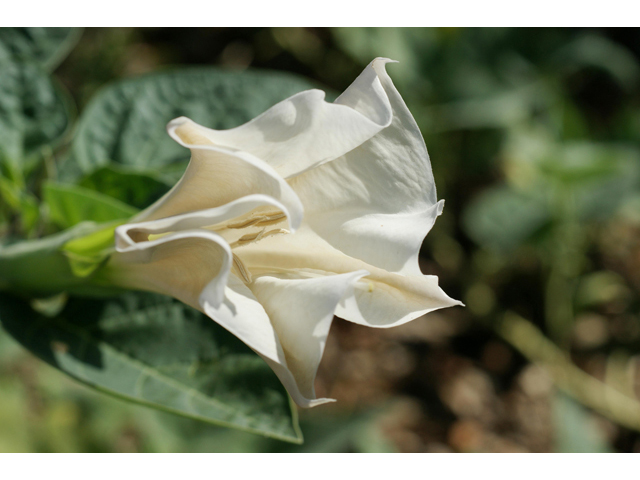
<point x="231" y="240"/>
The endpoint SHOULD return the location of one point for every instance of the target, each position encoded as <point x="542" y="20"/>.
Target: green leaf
<point x="45" y="46"/>
<point x="357" y="431"/>
<point x="135" y="187"/>
<point x="21" y="202"/>
<point x="125" y="124"/>
<point x="71" y="204"/>
<point x="501" y="218"/>
<point x="156" y="351"/>
<point x="34" y="110"/>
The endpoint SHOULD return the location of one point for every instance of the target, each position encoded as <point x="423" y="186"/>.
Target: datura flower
<point x="230" y="238"/>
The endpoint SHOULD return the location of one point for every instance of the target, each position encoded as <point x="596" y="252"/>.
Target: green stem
<point x="566" y="261"/>
<point x="39" y="268"/>
<point x="586" y="389"/>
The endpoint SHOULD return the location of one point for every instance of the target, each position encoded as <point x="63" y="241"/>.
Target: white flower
<point x="230" y="239"/>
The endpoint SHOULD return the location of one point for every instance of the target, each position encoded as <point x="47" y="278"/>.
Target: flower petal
<point x="130" y="233"/>
<point x="378" y="201"/>
<point x="286" y="321"/>
<point x="301" y="311"/>
<point x="216" y="176"/>
<point x="181" y="264"/>
<point x="305" y="131"/>
<point x="381" y="299"/>
<point x="388" y="241"/>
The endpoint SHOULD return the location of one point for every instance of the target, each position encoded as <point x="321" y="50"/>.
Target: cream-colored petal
<point x="130" y="233"/>
<point x="391" y="242"/>
<point x="182" y="264"/>
<point x="381" y="299"/>
<point x="301" y="311"/>
<point x="216" y="176"/>
<point x="378" y="201"/>
<point x="286" y="321"/>
<point x="305" y="131"/>
<point x="242" y="315"/>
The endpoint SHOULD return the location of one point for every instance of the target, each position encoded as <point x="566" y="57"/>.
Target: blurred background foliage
<point x="534" y="140"/>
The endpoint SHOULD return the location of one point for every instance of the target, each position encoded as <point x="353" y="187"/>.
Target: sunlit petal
<point x="230" y="239"/>
<point x="181" y="264"/>
<point x="381" y="299"/>
<point x="216" y="176"/>
<point x="378" y="201"/>
<point x="301" y="311"/>
<point x="305" y="131"/>
<point x="286" y="321"/>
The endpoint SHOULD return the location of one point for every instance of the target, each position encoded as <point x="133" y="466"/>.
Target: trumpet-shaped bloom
<point x="231" y="240"/>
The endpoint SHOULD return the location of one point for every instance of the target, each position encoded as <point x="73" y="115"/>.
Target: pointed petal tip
<point x="175" y="123"/>
<point x="315" y="402"/>
<point x="358" y="274"/>
<point x="122" y="240"/>
<point x="379" y="65"/>
<point x="172" y="130"/>
<point x="383" y="60"/>
<point x="452" y="302"/>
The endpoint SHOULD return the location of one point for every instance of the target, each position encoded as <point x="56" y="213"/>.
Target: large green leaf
<point x="156" y="351"/>
<point x="355" y="431"/>
<point x="134" y="187"/>
<point x="71" y="204"/>
<point x="46" y="46"/>
<point x="125" y="123"/>
<point x="34" y="110"/>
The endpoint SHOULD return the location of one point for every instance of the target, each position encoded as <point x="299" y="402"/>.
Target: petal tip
<point x="176" y="122"/>
<point x="316" y="402"/>
<point x="121" y="238"/>
<point x="383" y="61"/>
<point x="358" y="274"/>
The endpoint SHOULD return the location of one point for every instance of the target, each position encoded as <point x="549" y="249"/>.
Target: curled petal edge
<point x="304" y="131"/>
<point x="142" y="252"/>
<point x="277" y="187"/>
<point x="245" y="316"/>
<point x="200" y="218"/>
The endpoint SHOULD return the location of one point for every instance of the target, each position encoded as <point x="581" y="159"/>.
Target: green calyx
<point x="65" y="262"/>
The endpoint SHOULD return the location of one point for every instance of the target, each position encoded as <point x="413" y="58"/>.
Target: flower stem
<point x="586" y="389"/>
<point x="38" y="268"/>
<point x="566" y="261"/>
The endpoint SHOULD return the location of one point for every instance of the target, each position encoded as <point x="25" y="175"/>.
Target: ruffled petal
<point x="381" y="299"/>
<point x="129" y="234"/>
<point x="286" y="321"/>
<point x="305" y="131"/>
<point x="182" y="264"/>
<point x="301" y="311"/>
<point x="361" y="170"/>
<point x="216" y="176"/>
<point x="378" y="201"/>
<point x="391" y="242"/>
